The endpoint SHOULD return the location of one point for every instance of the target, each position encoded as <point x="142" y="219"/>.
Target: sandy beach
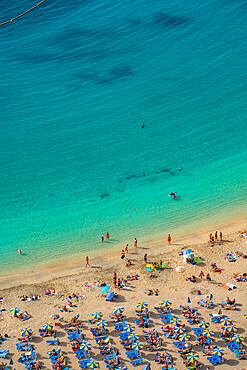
<point x="171" y="285"/>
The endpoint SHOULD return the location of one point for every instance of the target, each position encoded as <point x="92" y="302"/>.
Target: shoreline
<point x="104" y="260"/>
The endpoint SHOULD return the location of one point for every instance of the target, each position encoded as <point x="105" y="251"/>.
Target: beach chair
<point x="132" y="354"/>
<point x="137" y="362"/>
<point x="169" y="368"/>
<point x="53" y="342"/>
<point x="147" y="367"/>
<point x="214" y="360"/>
<point x="4" y="354"/>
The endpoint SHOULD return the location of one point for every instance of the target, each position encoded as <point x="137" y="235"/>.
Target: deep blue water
<point x="78" y="79"/>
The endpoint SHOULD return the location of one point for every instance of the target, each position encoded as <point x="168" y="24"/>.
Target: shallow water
<point x="77" y="82"/>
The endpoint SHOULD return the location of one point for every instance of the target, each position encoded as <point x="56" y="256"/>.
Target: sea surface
<point x="78" y="80"/>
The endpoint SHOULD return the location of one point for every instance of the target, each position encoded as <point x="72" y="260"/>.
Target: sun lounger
<point x="214" y="360"/>
<point x="203" y="303"/>
<point x="53" y="342"/>
<point x="169" y="368"/>
<point x="225" y="287"/>
<point x="4" y="354"/>
<point x="137" y="362"/>
<point x="135" y="354"/>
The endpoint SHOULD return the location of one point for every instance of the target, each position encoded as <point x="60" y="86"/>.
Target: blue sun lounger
<point x="137" y="362"/>
<point x="4" y="354"/>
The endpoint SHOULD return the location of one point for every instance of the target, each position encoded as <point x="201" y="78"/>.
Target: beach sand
<point x="171" y="285"/>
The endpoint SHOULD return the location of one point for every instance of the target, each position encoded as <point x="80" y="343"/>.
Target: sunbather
<point x="192" y="279"/>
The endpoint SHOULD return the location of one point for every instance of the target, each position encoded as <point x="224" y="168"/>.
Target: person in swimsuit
<point x="87" y="261"/>
<point x="169" y="239"/>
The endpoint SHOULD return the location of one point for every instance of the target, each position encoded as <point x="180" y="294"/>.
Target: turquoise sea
<point x="78" y="79"/>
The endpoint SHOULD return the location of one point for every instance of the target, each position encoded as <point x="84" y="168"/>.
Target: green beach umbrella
<point x="232" y="328"/>
<point x="92" y="364"/>
<point x="85" y="346"/>
<point x="141" y="305"/>
<point x="26" y="331"/>
<point x="133" y="336"/>
<point x="207" y="333"/>
<point x="97" y="315"/>
<point x="184" y="336"/>
<point x="204" y="325"/>
<point x="225" y="321"/>
<point x="175" y="321"/>
<point x="237" y="338"/>
<point x="166" y="303"/>
<point x="179" y="330"/>
<point x="118" y="310"/>
<point x="48" y="326"/>
<point x="128" y="328"/>
<point x="102" y="323"/>
<point x="192" y="357"/>
<point x="137" y="346"/>
<point x="218" y="352"/>
<point x="14" y="311"/>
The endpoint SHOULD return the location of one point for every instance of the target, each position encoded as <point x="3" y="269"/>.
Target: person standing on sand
<point x="126" y="249"/>
<point x="102" y="237"/>
<point x="210" y="237"/>
<point x="212" y="240"/>
<point x="215" y="235"/>
<point x="87" y="261"/>
<point x="122" y="254"/>
<point x="135" y="242"/>
<point x="221" y="236"/>
<point x="107" y="235"/>
<point x="201" y="275"/>
<point x="169" y="239"/>
<point x="208" y="278"/>
<point x="145" y="257"/>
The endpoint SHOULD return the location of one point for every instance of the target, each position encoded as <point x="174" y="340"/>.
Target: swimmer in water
<point x="20" y="251"/>
<point x="143" y="174"/>
<point x="180" y="169"/>
<point x="173" y="194"/>
<point x="143" y="125"/>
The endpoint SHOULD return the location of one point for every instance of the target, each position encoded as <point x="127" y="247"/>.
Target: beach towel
<point x="225" y="287"/>
<point x="198" y="260"/>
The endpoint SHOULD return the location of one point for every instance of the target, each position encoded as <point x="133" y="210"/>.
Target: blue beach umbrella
<point x="231" y="328"/>
<point x="204" y="325"/>
<point x="179" y="330"/>
<point x="225" y="321"/>
<point x="14" y="311"/>
<point x="175" y="321"/>
<point x="141" y="305"/>
<point x="92" y="364"/>
<point x="218" y="352"/>
<point x="207" y="333"/>
<point x="105" y="289"/>
<point x="97" y="315"/>
<point x="102" y="323"/>
<point x="133" y="336"/>
<point x="137" y="346"/>
<point x="192" y="357"/>
<point x="184" y="336"/>
<point x="238" y="338"/>
<point x="118" y="310"/>
<point x="166" y="303"/>
<point x="85" y="346"/>
<point x="26" y="331"/>
<point x="48" y="326"/>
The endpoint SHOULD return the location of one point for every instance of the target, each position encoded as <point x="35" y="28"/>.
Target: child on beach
<point x="87" y="261"/>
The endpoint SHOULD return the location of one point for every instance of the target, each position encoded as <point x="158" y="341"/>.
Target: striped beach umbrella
<point x="204" y="325"/>
<point x="237" y="338"/>
<point x="175" y="321"/>
<point x="166" y="303"/>
<point x="179" y="330"/>
<point x="48" y="326"/>
<point x="133" y="336"/>
<point x="207" y="333"/>
<point x="192" y="357"/>
<point x="26" y="331"/>
<point x="97" y="315"/>
<point x="102" y="323"/>
<point x="92" y="364"/>
<point x="85" y="346"/>
<point x="245" y="315"/>
<point x="141" y="305"/>
<point x="218" y="352"/>
<point x="121" y="368"/>
<point x="118" y="310"/>
<point x="128" y="328"/>
<point x="232" y="328"/>
<point x="225" y="321"/>
<point x="184" y="336"/>
<point x="137" y="346"/>
<point x="14" y="311"/>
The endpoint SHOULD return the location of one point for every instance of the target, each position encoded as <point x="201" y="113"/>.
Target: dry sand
<point x="171" y="285"/>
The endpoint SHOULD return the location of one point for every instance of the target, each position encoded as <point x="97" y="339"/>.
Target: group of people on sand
<point x="119" y="283"/>
<point x="214" y="238"/>
<point x="201" y="275"/>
